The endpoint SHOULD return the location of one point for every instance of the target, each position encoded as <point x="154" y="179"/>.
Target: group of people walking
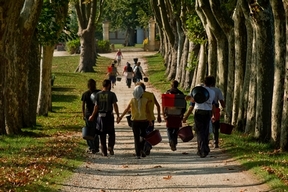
<point x="99" y="107"/>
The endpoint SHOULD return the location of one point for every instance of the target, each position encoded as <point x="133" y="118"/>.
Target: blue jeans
<point x="92" y="144"/>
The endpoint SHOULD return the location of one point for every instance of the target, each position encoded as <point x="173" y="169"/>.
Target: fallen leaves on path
<point x="167" y="177"/>
<point x="157" y="166"/>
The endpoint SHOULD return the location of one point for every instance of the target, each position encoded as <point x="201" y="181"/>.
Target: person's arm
<point x="124" y="113"/>
<point x="186" y="115"/>
<point x="142" y="71"/>
<point x="83" y="109"/>
<point x="223" y="105"/>
<point x="158" y="109"/>
<point x="116" y="109"/>
<point x="95" y="110"/>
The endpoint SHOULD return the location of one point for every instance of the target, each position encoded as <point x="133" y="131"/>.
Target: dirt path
<point x="163" y="170"/>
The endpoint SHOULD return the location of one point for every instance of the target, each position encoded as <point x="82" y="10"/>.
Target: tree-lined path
<point x="163" y="170"/>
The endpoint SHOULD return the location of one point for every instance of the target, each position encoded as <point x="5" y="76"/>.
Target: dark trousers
<point x="202" y="119"/>
<point x="92" y="144"/>
<point x="128" y="82"/>
<point x="108" y="129"/>
<point x="147" y="145"/>
<point x="139" y="132"/>
<point x="172" y="134"/>
<point x="216" y="127"/>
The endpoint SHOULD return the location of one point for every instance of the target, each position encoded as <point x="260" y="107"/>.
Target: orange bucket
<point x="154" y="137"/>
<point x="185" y="133"/>
<point x="226" y="128"/>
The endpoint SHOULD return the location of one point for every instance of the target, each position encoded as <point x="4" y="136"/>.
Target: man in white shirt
<point x="202" y="118"/>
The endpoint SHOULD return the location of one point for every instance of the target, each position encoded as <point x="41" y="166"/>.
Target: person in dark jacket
<point x="173" y="117"/>
<point x="87" y="110"/>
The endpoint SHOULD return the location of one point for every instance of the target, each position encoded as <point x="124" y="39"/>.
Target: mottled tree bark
<point x="279" y="70"/>
<point x="284" y="122"/>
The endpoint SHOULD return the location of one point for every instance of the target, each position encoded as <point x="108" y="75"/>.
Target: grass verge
<point x="268" y="164"/>
<point x="43" y="156"/>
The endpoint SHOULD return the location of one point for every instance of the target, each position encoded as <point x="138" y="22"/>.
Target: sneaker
<point x="143" y="154"/>
<point x="172" y="146"/>
<point x="111" y="152"/>
<point x="138" y="157"/>
<point x="147" y="152"/>
<point x="94" y="151"/>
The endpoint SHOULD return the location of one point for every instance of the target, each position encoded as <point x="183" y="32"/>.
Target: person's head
<point x="213" y="81"/>
<point x="119" y="50"/>
<point x="209" y="80"/>
<point x="128" y="64"/>
<point x="174" y="84"/>
<point x="115" y="61"/>
<point x="113" y="65"/>
<point x="142" y="85"/>
<point x="106" y="84"/>
<point x="138" y="63"/>
<point x="91" y="84"/>
<point x="138" y="92"/>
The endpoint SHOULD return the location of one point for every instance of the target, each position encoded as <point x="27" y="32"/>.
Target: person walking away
<point x="173" y="116"/>
<point x="112" y="73"/>
<point x="105" y="102"/>
<point x="87" y="110"/>
<point x="202" y="118"/>
<point x="152" y="101"/>
<point x="119" y="56"/>
<point x="138" y="71"/>
<point x="216" y="119"/>
<point x="128" y="73"/>
<point x="138" y="106"/>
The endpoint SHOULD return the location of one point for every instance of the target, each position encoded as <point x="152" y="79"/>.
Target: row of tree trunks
<point x="19" y="26"/>
<point x="243" y="52"/>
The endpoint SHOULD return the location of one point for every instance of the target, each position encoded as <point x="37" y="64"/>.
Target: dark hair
<point x="106" y="83"/>
<point x="209" y="80"/>
<point x="174" y="83"/>
<point x="91" y="84"/>
<point x="142" y="85"/>
<point x="213" y="80"/>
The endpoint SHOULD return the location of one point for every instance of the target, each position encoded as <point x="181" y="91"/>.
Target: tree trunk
<point x="44" y="98"/>
<point x="279" y="70"/>
<point x="183" y="64"/>
<point x="222" y="51"/>
<point x="263" y="22"/>
<point x="202" y="65"/>
<point x="242" y="73"/>
<point x="251" y="105"/>
<point x="240" y="57"/>
<point x="2" y="93"/>
<point x="86" y="14"/>
<point x="284" y="122"/>
<point x="88" y="52"/>
<point x="181" y="38"/>
<point x="33" y="78"/>
<point x="17" y="36"/>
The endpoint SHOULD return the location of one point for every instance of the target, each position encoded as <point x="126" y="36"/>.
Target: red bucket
<point x="226" y="128"/>
<point x="154" y="137"/>
<point x="185" y="133"/>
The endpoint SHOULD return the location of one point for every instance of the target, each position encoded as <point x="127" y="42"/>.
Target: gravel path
<point x="163" y="170"/>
